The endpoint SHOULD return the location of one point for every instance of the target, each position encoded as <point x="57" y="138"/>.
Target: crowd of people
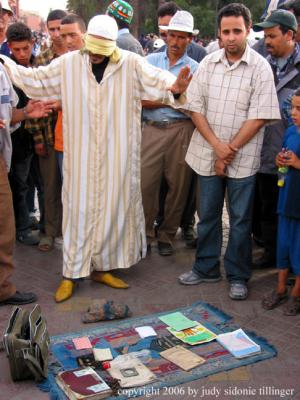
<point x="123" y="149"/>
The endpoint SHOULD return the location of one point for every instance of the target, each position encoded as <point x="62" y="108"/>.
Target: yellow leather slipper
<point x="64" y="291"/>
<point x="108" y="279"/>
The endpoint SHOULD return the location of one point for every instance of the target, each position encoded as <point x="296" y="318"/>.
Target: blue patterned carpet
<point x="116" y="335"/>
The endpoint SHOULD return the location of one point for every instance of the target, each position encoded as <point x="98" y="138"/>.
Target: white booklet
<point x="239" y="344"/>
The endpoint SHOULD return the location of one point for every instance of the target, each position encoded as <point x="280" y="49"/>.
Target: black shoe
<point x="188" y="233"/>
<point x="19" y="299"/>
<point x="165" y="249"/>
<point x="263" y="263"/>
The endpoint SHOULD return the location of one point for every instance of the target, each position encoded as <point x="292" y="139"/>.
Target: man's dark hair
<point x="18" y="32"/>
<point x="285" y="29"/>
<point x="56" y="14"/>
<point x="121" y="24"/>
<point x="74" y="19"/>
<point x="169" y="8"/>
<point x="235" y="10"/>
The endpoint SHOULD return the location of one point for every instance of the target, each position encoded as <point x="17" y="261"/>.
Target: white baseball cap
<point x="6" y="6"/>
<point x="104" y="26"/>
<point x="182" y="21"/>
<point x="158" y="43"/>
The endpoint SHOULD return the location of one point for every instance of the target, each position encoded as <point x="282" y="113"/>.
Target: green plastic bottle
<point x="282" y="172"/>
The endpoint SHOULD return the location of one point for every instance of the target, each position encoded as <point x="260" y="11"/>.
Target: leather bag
<point x="26" y="342"/>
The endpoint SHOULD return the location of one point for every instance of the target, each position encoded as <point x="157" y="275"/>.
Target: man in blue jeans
<point x="231" y="97"/>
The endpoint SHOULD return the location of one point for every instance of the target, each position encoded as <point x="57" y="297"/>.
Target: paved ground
<point x="154" y="288"/>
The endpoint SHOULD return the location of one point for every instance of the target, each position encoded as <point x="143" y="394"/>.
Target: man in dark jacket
<point x="280" y="30"/>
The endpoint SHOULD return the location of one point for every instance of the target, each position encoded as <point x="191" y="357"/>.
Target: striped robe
<point x="103" y="221"/>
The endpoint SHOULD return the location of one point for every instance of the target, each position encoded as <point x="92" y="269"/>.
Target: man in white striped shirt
<point x="101" y="88"/>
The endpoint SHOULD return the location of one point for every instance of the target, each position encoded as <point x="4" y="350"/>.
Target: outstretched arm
<point x="39" y="83"/>
<point x="157" y="86"/>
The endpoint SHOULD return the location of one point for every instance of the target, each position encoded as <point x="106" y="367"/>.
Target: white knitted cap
<point x="104" y="26"/>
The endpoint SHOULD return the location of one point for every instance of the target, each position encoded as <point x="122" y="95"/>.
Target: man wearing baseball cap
<point x="101" y="88"/>
<point x="280" y="29"/>
<point x="282" y="18"/>
<point x="123" y="14"/>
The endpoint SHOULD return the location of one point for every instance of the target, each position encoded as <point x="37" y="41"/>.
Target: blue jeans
<point x="60" y="159"/>
<point x="237" y="259"/>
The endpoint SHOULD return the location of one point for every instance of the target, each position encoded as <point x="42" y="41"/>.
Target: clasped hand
<point x="287" y="159"/>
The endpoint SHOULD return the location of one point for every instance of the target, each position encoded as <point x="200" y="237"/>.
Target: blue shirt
<point x="161" y="60"/>
<point x="289" y="194"/>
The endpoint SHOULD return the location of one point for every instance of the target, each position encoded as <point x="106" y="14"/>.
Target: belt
<point x="166" y="122"/>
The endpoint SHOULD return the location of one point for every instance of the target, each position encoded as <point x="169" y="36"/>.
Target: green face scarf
<point x="103" y="47"/>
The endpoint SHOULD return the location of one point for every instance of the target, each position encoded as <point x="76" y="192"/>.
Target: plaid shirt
<point x="228" y="95"/>
<point x="42" y="129"/>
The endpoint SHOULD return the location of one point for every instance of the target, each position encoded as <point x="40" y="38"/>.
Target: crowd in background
<point x="219" y="144"/>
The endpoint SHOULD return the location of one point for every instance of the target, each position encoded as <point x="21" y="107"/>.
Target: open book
<point x="238" y="344"/>
<point x="83" y="383"/>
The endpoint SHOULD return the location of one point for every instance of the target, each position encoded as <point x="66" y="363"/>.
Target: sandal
<point x="273" y="300"/>
<point x="292" y="307"/>
<point x="46" y="243"/>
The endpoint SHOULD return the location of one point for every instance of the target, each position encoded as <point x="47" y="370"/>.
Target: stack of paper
<point x="239" y="344"/>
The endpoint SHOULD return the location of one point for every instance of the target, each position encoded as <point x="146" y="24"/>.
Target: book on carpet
<point x="83" y="383"/>
<point x="239" y="344"/>
<point x="177" y="321"/>
<point x="182" y="357"/>
<point x="195" y="335"/>
<point x="130" y="372"/>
